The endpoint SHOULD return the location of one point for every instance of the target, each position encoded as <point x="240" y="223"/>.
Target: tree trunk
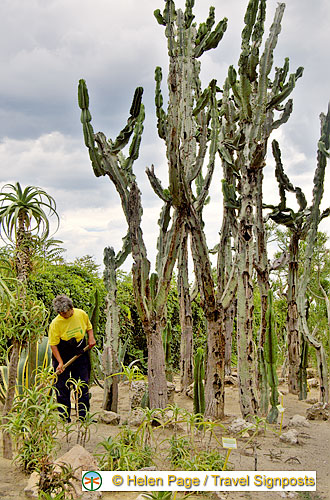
<point x="111" y="344"/>
<point x="245" y="305"/>
<point x="215" y="369"/>
<point x="230" y="315"/>
<point x="157" y="384"/>
<point x="292" y="317"/>
<point x="186" y="359"/>
<point x="12" y="376"/>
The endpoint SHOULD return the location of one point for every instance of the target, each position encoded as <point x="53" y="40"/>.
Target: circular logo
<point x="92" y="481"/>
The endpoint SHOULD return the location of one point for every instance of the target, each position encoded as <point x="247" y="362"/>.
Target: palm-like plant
<point x="23" y="216"/>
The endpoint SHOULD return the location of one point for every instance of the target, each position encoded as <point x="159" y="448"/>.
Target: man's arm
<point x="57" y="356"/>
<point x="91" y="339"/>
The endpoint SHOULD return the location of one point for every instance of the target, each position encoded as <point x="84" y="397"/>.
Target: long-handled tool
<point x="68" y="363"/>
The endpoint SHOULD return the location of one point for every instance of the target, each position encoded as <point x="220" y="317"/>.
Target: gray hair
<point x="62" y="304"/>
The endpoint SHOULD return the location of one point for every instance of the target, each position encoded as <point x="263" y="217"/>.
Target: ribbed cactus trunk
<point x="188" y="127"/>
<point x="110" y="362"/>
<point x="270" y="349"/>
<point x="256" y="98"/>
<point x="185" y="311"/>
<point x="293" y="334"/>
<point x="245" y="301"/>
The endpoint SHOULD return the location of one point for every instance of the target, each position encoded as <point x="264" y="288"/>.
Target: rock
<point x="79" y="459"/>
<point x="170" y="392"/>
<point x="140" y="497"/>
<point x="31" y="489"/>
<point x="298" y="421"/>
<point x="290" y="437"/>
<point x="136" y="417"/>
<point x="109" y="417"/>
<point x="239" y="424"/>
<point x="190" y="391"/>
<point x="137" y="390"/>
<point x="319" y="411"/>
<point x="313" y="382"/>
<point x="311" y="401"/>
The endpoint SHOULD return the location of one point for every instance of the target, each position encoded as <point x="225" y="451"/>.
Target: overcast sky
<point x="46" y="46"/>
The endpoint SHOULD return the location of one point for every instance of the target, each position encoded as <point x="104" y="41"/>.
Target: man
<point x="66" y="339"/>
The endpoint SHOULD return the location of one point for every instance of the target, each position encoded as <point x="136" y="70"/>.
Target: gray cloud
<point x="46" y="47"/>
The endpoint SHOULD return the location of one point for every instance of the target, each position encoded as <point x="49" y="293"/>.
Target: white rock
<point x="298" y="421"/>
<point x="239" y="424"/>
<point x="109" y="417"/>
<point x="290" y="437"/>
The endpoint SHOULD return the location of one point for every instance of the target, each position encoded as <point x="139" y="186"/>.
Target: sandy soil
<point x="313" y="452"/>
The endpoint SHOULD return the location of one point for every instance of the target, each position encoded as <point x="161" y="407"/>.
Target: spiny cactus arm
<point x="188" y="15"/>
<point x="124" y="252"/>
<point x="204" y="28"/>
<point x="325" y="213"/>
<point x="160" y="113"/>
<point x="124" y="136"/>
<point x="287" y="89"/>
<point x="135" y="144"/>
<point x="211" y="39"/>
<point x="213" y="148"/>
<point x="163" y="237"/>
<point x="89" y="138"/>
<point x="284" y="116"/>
<point x="156" y="185"/>
<point x="318" y="190"/>
<point x="266" y="63"/>
<point x="111" y="167"/>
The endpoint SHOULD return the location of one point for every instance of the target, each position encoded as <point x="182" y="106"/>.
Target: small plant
<point x="125" y="452"/>
<point x="180" y="449"/>
<point x="84" y="427"/>
<point x="33" y="422"/>
<point x="54" y="483"/>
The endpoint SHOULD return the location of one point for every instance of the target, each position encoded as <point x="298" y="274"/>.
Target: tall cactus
<point x="295" y="221"/>
<point x="254" y="99"/>
<point x="110" y="360"/>
<point x="314" y="219"/>
<point x="151" y="290"/>
<point x="302" y="224"/>
<point x="190" y="129"/>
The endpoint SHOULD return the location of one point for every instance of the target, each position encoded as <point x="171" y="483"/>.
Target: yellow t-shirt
<point x="66" y="329"/>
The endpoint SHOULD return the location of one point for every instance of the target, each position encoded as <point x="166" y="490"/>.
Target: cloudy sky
<point x="46" y="46"/>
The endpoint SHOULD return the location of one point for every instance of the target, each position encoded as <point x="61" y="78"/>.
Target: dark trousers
<point x="79" y="370"/>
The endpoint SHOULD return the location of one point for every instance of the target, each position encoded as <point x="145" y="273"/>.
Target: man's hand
<point x="91" y="339"/>
<point x="60" y="368"/>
